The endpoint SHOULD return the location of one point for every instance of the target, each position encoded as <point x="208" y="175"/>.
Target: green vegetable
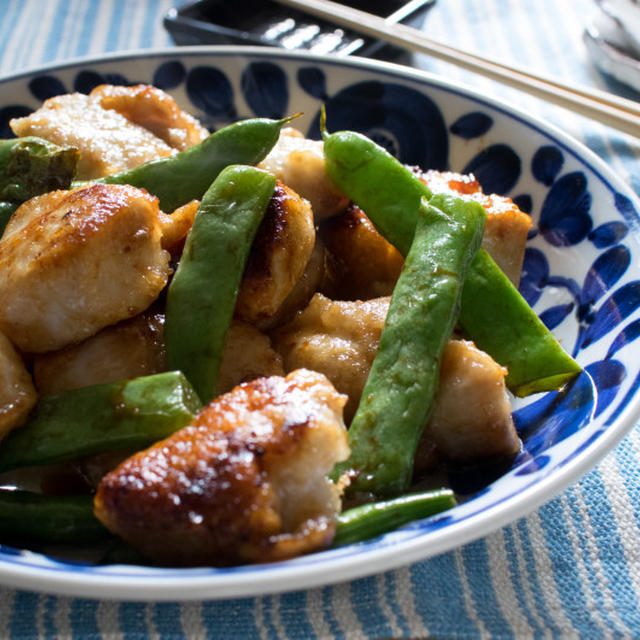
<point x="6" y="211"/>
<point x="186" y="176"/>
<point x="32" y="517"/>
<point x="397" y="398"/>
<point x="494" y="314"/>
<point x="30" y="166"/>
<point x="369" y="520"/>
<point x="202" y="295"/>
<point x="502" y="323"/>
<point x="106" y="417"/>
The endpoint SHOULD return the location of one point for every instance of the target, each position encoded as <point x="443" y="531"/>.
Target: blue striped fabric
<point x="570" y="569"/>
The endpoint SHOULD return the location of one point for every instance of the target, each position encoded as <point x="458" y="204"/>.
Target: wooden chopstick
<point x="602" y="106"/>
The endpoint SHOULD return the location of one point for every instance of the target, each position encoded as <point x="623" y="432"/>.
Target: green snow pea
<point x="186" y="176"/>
<point x="369" y="520"/>
<point x="493" y="314"/>
<point x="202" y="295"/>
<point x="32" y="517"/>
<point x="127" y="415"/>
<point x="397" y="398"/>
<point x="30" y="166"/>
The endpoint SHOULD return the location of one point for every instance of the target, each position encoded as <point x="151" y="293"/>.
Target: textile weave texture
<point x="569" y="569"/>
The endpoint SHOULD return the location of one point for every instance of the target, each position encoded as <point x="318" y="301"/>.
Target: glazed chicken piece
<point x="336" y="337"/>
<point x="154" y="110"/>
<point x="114" y="128"/>
<point x="135" y="347"/>
<point x="507" y="227"/>
<point x="472" y="415"/>
<point x="245" y="482"/>
<point x="74" y="262"/>
<point x="107" y="141"/>
<point x="302" y="292"/>
<point x="299" y="163"/>
<point x="17" y="394"/>
<point x="281" y="250"/>
<point x="360" y="263"/>
<point x="247" y="355"/>
<point x="176" y="226"/>
<point x="129" y="349"/>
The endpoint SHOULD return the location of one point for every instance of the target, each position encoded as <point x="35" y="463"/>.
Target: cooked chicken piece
<point x="74" y="262"/>
<point x="17" y="394"/>
<point x="505" y="234"/>
<point x="176" y="226"/>
<point x="337" y="338"/>
<point x="449" y="181"/>
<point x="136" y="347"/>
<point x="245" y="482"/>
<point x="279" y="255"/>
<point x="107" y="141"/>
<point x="360" y="263"/>
<point x="299" y="163"/>
<point x="471" y="417"/>
<point x="247" y="355"/>
<point x="154" y="110"/>
<point x="129" y="349"/>
<point x="308" y="283"/>
<point x="507" y="227"/>
<point x="472" y="413"/>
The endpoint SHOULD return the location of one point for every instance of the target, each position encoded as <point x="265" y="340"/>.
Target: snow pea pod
<point x="6" y="211"/>
<point x="389" y="193"/>
<point x="202" y="295"/>
<point x="186" y="176"/>
<point x="370" y="520"/>
<point x="127" y="415"/>
<point x="397" y="398"/>
<point x="32" y="517"/>
<point x="30" y="166"/>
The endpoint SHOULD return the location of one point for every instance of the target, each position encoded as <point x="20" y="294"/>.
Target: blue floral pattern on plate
<point x="580" y="274"/>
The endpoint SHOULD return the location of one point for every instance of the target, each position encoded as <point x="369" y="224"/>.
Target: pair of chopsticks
<point x="613" y="111"/>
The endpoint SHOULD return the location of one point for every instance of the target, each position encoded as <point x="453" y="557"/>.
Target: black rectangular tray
<point x="263" y="22"/>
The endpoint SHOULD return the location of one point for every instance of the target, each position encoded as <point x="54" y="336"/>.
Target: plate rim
<point x="160" y="584"/>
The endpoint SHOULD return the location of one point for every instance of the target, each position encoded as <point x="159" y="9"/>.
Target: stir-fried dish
<point x="247" y="345"/>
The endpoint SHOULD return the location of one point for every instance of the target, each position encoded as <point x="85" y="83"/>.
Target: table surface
<point x="570" y="569"/>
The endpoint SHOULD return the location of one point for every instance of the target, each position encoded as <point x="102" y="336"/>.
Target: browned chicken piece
<point x="74" y="262"/>
<point x="245" y="482"/>
<point x="302" y="292"/>
<point x="505" y="234"/>
<point x="299" y="163"/>
<point x="107" y="141"/>
<point x="360" y="263"/>
<point x="471" y="417"/>
<point x="247" y="355"/>
<point x="279" y="256"/>
<point x="17" y="394"/>
<point x="507" y="227"/>
<point x="129" y="349"/>
<point x="154" y="110"/>
<point x="176" y="226"/>
<point x="336" y="337"/>
<point x="472" y="413"/>
<point x="136" y="347"/>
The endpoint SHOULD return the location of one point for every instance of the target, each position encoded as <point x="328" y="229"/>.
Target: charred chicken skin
<point x="245" y="482"/>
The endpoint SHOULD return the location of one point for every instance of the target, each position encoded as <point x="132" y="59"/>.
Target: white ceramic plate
<point x="581" y="275"/>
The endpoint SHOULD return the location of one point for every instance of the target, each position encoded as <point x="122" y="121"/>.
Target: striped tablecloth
<point x="570" y="569"/>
